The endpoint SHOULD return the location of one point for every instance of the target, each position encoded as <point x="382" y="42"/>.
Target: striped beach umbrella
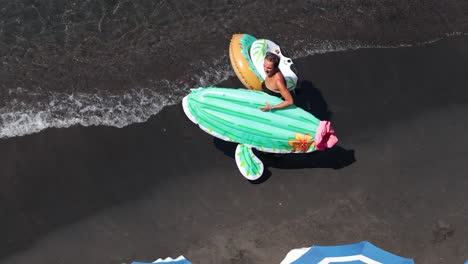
<point x="179" y="260"/>
<point x="358" y="253"/>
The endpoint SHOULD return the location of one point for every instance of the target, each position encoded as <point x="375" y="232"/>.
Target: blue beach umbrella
<point x="359" y="253"/>
<point x="179" y="260"/>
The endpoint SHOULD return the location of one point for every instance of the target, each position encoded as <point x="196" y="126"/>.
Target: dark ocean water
<point x="107" y="195"/>
<point x="115" y="62"/>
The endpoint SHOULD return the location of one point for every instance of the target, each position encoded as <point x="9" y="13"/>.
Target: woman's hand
<point x="268" y="107"/>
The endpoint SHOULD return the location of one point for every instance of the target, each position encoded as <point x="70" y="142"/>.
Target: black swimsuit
<point x="270" y="92"/>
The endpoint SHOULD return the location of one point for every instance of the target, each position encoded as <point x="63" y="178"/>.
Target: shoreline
<point x="106" y="194"/>
<point x="99" y="107"/>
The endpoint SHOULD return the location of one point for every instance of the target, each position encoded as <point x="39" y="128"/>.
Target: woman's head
<point x="270" y="64"/>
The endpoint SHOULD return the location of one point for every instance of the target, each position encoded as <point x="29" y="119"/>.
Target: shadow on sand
<point x="334" y="158"/>
<point x="309" y="98"/>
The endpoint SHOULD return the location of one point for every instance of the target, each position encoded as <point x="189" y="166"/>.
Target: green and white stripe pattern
<point x="246" y="43"/>
<point x="258" y="50"/>
<point x="234" y="115"/>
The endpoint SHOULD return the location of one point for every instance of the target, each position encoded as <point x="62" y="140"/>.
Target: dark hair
<point x="273" y="58"/>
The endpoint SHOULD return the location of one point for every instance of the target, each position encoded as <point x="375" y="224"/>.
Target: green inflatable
<point x="234" y="115"/>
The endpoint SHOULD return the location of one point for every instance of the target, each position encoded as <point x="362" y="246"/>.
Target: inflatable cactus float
<point x="234" y="115"/>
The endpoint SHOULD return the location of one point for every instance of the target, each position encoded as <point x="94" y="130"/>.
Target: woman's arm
<point x="288" y="100"/>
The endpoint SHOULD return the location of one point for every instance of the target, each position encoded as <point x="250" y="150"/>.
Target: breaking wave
<point x="30" y="111"/>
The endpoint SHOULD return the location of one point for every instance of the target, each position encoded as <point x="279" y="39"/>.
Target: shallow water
<point x="118" y="62"/>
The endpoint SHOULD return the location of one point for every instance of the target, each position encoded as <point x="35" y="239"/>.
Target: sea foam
<point x="45" y="109"/>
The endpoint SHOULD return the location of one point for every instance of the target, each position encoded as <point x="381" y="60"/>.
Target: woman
<point x="274" y="83"/>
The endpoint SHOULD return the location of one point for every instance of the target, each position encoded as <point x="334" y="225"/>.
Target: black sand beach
<point x="398" y="177"/>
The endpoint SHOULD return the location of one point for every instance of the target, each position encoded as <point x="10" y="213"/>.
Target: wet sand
<point x="163" y="188"/>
